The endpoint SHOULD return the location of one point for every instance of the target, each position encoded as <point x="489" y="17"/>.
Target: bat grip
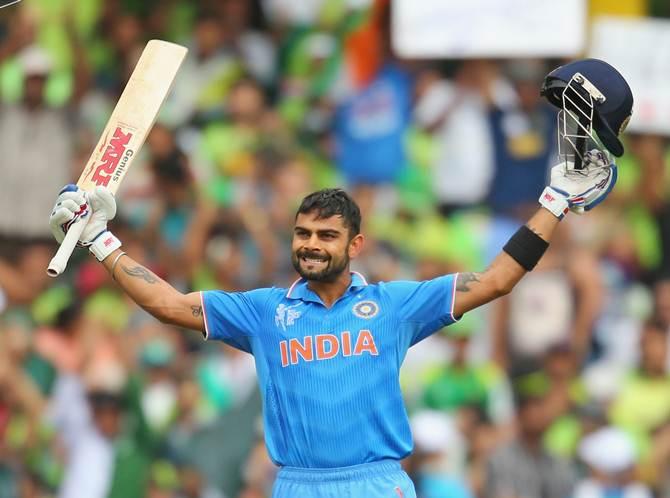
<point x="60" y="259"/>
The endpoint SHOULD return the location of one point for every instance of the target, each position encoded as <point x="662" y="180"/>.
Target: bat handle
<point x="60" y="259"/>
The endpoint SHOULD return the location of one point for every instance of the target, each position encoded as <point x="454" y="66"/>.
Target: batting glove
<point x="74" y="205"/>
<point x="579" y="190"/>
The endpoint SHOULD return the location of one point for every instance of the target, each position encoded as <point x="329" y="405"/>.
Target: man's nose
<point x="313" y="243"/>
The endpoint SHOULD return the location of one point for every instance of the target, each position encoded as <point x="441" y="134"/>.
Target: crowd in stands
<point x="559" y="390"/>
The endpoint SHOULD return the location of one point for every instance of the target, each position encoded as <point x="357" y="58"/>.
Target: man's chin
<point x="317" y="276"/>
<point x="328" y="273"/>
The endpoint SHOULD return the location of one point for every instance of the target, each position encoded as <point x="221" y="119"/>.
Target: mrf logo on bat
<point x="114" y="158"/>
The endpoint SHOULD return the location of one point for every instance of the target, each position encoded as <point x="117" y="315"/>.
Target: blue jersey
<point x="329" y="376"/>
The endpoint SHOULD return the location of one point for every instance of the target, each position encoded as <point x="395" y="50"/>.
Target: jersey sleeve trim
<point x="204" y="314"/>
<point x="453" y="298"/>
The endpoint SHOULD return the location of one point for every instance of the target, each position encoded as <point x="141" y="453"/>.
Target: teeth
<point x="312" y="260"/>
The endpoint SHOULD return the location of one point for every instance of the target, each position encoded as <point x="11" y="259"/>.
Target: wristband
<point x="115" y="262"/>
<point x="555" y="201"/>
<point x="526" y="247"/>
<point x="104" y="245"/>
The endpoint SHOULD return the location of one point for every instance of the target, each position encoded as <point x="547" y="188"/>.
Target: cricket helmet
<point x="592" y="96"/>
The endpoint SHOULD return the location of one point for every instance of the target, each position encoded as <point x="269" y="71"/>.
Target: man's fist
<point x="74" y="205"/>
<point x="579" y="190"/>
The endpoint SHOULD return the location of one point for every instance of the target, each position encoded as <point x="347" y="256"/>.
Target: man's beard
<point x="329" y="273"/>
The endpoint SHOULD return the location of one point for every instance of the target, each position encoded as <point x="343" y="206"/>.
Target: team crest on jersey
<point x="366" y="309"/>
<point x="286" y="316"/>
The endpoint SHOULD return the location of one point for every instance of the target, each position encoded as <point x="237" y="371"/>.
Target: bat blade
<point x="125" y="132"/>
<point x="133" y="116"/>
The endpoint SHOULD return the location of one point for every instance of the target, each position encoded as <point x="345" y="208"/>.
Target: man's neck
<point x="329" y="292"/>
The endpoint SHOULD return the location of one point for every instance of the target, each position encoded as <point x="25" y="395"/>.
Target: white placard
<point x="640" y="50"/>
<point x="488" y="28"/>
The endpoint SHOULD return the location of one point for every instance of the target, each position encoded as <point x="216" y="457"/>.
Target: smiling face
<point x="322" y="247"/>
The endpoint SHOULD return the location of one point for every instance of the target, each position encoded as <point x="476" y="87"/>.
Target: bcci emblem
<point x="366" y="309"/>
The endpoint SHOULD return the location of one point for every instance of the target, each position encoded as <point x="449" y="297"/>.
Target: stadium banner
<point x="489" y="28"/>
<point x="640" y="50"/>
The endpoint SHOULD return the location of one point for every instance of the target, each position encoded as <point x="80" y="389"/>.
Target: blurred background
<point x="429" y="113"/>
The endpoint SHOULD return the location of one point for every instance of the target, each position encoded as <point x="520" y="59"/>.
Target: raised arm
<point x="149" y="291"/>
<point x="154" y="294"/>
<point x="570" y="190"/>
<point x="475" y="289"/>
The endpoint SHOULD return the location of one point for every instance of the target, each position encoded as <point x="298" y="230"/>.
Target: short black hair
<point x="333" y="202"/>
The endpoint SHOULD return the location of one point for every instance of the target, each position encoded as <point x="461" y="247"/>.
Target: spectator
<point x="21" y="276"/>
<point x="437" y="463"/>
<point x="225" y="152"/>
<point x="523" y="142"/>
<point x="249" y="36"/>
<point x="609" y="455"/>
<point x="522" y="467"/>
<point x="542" y="313"/>
<point x="205" y="77"/>
<point x="172" y="213"/>
<point x="158" y="397"/>
<point x="92" y="447"/>
<point x="370" y="129"/>
<point x="454" y="112"/>
<point x="37" y="150"/>
<point x="642" y="405"/>
<point x="460" y="384"/>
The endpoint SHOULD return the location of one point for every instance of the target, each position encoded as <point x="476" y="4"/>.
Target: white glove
<point x="73" y="205"/>
<point x="579" y="190"/>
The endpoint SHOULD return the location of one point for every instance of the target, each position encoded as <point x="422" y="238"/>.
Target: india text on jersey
<point x="326" y="346"/>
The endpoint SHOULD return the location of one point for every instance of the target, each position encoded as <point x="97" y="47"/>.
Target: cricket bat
<point x="125" y="132"/>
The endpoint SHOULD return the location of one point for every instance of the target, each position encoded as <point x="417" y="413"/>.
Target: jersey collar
<point x="300" y="290"/>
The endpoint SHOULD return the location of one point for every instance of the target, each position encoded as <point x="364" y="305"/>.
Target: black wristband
<point x="526" y="247"/>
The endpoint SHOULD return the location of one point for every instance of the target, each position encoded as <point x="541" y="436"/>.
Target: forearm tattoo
<point x="464" y="280"/>
<point x="140" y="272"/>
<point x="196" y="310"/>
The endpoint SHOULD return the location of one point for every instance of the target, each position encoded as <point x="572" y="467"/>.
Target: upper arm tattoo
<point x="465" y="279"/>
<point x="140" y="272"/>
<point x="196" y="310"/>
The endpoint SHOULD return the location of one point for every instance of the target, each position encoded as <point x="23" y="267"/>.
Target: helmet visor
<point x="576" y="120"/>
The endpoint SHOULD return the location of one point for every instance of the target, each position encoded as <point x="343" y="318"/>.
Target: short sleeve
<point x="429" y="304"/>
<point x="233" y="317"/>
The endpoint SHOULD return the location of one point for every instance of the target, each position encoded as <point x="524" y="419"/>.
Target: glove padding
<point x="74" y="204"/>
<point x="579" y="190"/>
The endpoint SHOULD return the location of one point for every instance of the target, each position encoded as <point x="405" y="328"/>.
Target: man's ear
<point x="356" y="245"/>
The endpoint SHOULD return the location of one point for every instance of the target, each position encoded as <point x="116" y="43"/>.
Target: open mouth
<point x="314" y="261"/>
